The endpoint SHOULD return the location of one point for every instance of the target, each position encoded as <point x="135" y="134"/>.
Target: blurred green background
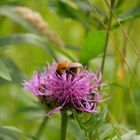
<point x="23" y="49"/>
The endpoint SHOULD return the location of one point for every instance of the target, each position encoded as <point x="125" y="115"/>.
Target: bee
<point x="69" y="68"/>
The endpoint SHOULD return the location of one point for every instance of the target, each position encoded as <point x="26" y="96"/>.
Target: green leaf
<point x="137" y="137"/>
<point x="21" y="39"/>
<point x="119" y="3"/>
<point x="96" y="119"/>
<point x="15" y="73"/>
<point x="9" y="11"/>
<point x="93" y="122"/>
<point x="4" y="71"/>
<point x="129" y="15"/>
<point x="4" y="133"/>
<point x="94" y="45"/>
<point x="33" y="109"/>
<point x="68" y="9"/>
<point x="74" y="130"/>
<point x="7" y="129"/>
<point x="32" y="39"/>
<point x="130" y="135"/>
<point x="4" y="2"/>
<point x="83" y="5"/>
<point x="80" y="123"/>
<point x="105" y="131"/>
<point x="86" y="7"/>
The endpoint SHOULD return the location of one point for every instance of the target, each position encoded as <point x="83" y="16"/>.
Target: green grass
<point x="79" y="27"/>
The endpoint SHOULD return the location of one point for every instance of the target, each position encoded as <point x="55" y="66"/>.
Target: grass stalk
<point x="41" y="127"/>
<point x="107" y="35"/>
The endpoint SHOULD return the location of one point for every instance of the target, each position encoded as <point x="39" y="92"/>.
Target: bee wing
<point x="75" y="65"/>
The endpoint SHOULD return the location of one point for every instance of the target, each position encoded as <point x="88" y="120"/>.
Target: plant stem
<point x="64" y="121"/>
<point x="81" y="125"/>
<point x="107" y="36"/>
<point x="86" y="136"/>
<point x="51" y="51"/>
<point x="41" y="127"/>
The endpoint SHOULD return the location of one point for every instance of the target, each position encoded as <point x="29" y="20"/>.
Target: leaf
<point x="10" y="12"/>
<point x="137" y="137"/>
<point x="21" y="39"/>
<point x="72" y="47"/>
<point x="4" y="2"/>
<point x="105" y="131"/>
<point x="93" y="122"/>
<point x="14" y="129"/>
<point x="116" y="84"/>
<point x="94" y="45"/>
<point x="32" y="39"/>
<point x="79" y="121"/>
<point x="129" y="15"/>
<point x="4" y="71"/>
<point x="77" y="10"/>
<point x="68" y="9"/>
<point x="15" y="73"/>
<point x="119" y="3"/>
<point x="81" y="124"/>
<point x="74" y="130"/>
<point x="103" y="114"/>
<point x="129" y="135"/>
<point x="32" y="109"/>
<point x="96" y="119"/>
<point x="7" y="133"/>
<point x="86" y="7"/>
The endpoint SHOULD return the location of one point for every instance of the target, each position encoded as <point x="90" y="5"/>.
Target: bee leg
<point x="71" y="73"/>
<point x="58" y="73"/>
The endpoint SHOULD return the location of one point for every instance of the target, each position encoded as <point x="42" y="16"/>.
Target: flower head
<point x="79" y="91"/>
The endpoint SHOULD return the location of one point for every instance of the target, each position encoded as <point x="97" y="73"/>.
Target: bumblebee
<point x="69" y="68"/>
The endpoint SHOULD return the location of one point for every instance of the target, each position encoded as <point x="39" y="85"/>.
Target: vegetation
<point x="101" y="35"/>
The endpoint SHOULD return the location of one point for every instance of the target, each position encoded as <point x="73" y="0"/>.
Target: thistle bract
<point x="66" y="91"/>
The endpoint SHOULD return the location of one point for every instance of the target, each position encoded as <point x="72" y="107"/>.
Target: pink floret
<point x="80" y="92"/>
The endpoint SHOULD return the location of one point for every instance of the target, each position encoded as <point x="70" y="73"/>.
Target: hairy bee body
<point x="70" y="68"/>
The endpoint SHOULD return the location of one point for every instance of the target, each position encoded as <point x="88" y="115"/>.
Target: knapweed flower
<point x="66" y="90"/>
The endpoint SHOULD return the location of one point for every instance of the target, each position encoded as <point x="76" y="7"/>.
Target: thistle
<point x="67" y="91"/>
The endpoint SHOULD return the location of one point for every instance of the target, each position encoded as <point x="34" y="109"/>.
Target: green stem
<point x="81" y="125"/>
<point x="41" y="127"/>
<point x="51" y="51"/>
<point x="86" y="136"/>
<point x="64" y="120"/>
<point x="107" y="36"/>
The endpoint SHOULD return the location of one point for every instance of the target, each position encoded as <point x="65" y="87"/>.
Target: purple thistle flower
<point x="66" y="91"/>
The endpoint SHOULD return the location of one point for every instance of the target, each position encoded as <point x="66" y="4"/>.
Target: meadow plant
<point x="101" y="36"/>
<point x="66" y="91"/>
